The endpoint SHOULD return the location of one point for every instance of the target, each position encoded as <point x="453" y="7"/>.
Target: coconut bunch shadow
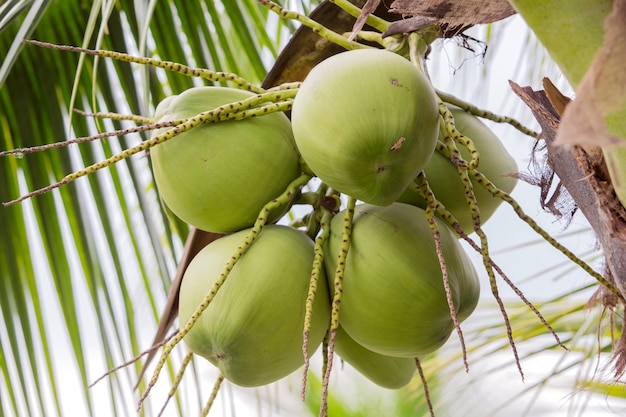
<point x="325" y="202"/>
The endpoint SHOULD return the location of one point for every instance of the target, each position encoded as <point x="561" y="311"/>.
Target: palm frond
<point x="85" y="269"/>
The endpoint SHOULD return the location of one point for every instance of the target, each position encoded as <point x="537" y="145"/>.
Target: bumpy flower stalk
<point x="211" y="400"/>
<point x="233" y="111"/>
<point x="203" y="73"/>
<point x="485" y="114"/>
<point x="346" y="240"/>
<point x="431" y="209"/>
<point x="316" y="272"/>
<point x="484" y="250"/>
<point x="472" y="203"/>
<point x="484" y="182"/>
<point x="177" y="380"/>
<point x="20" y="152"/>
<point x="420" y="371"/>
<point x="116" y="116"/>
<point x="253" y="234"/>
<point x="452" y="135"/>
<point x="488" y="185"/>
<point x="446" y="216"/>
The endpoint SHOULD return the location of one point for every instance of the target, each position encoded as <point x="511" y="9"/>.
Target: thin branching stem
<point x="286" y="86"/>
<point x="116" y="116"/>
<point x="135" y="359"/>
<point x="446" y="216"/>
<point x="451" y="134"/>
<point x="317" y="272"/>
<point x="432" y="223"/>
<point x="274" y="97"/>
<point x="177" y="380"/>
<point x="470" y="108"/>
<point x="83" y="139"/>
<point x="488" y="185"/>
<point x="484" y="250"/>
<point x="206" y="74"/>
<point x="233" y="111"/>
<point x="420" y="371"/>
<point x="213" y="396"/>
<point x="514" y="287"/>
<point x="344" y="248"/>
<point x="472" y="203"/>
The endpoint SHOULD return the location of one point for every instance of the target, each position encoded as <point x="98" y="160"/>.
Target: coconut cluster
<point x="366" y="123"/>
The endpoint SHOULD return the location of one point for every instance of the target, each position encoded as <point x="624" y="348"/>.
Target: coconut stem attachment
<point x="321" y="30"/>
<point x="418" y="48"/>
<point x="372" y="20"/>
<point x="346" y="240"/>
<point x="369" y="36"/>
<point x="278" y="202"/>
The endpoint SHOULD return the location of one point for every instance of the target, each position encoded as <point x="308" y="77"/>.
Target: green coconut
<point x="218" y="176"/>
<point x="394" y="302"/>
<point x="366" y="123"/>
<point x="385" y="371"/>
<point x="494" y="162"/>
<point x="252" y="330"/>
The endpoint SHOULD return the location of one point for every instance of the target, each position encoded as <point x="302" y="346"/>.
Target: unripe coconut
<point x="495" y="163"/>
<point x="385" y="371"/>
<point x="252" y="330"/>
<point x="366" y="123"/>
<point x="218" y="176"/>
<point x="394" y="302"/>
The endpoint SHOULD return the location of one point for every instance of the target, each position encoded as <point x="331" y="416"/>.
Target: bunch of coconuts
<point x="366" y="123"/>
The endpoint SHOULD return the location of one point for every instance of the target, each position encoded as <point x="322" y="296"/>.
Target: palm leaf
<point x="95" y="257"/>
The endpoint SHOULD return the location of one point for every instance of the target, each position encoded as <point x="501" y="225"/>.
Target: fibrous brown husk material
<point x="455" y="12"/>
<point x="453" y="15"/>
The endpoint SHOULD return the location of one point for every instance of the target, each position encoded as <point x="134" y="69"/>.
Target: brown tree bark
<point x="583" y="173"/>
